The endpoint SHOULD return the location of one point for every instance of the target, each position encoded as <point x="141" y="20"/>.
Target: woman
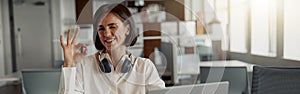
<point x="112" y="70"/>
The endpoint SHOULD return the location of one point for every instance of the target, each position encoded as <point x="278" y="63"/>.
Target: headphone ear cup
<point x="104" y="66"/>
<point x="126" y="66"/>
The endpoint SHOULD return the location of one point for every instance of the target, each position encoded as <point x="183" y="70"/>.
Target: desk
<point x="188" y="68"/>
<point x="232" y="63"/>
<point x="11" y="77"/>
<point x="227" y="63"/>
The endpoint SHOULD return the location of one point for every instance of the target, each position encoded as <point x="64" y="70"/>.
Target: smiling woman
<point x="112" y="69"/>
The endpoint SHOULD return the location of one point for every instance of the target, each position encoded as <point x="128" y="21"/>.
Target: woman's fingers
<point x="76" y="35"/>
<point x="69" y="42"/>
<point x="81" y="51"/>
<point x="61" y="41"/>
<point x="85" y="50"/>
<point x="81" y="47"/>
<point x="68" y="37"/>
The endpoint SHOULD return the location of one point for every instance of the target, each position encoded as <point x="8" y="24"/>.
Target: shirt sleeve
<point x="152" y="78"/>
<point x="71" y="81"/>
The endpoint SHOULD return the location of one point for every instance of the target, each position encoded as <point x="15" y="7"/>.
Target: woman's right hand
<point x="72" y="51"/>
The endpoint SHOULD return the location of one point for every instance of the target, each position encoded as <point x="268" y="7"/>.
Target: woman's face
<point x="112" y="31"/>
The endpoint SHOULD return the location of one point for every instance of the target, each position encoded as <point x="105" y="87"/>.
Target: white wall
<point x="2" y="65"/>
<point x="6" y="37"/>
<point x="63" y="16"/>
<point x="56" y="25"/>
<point x="192" y="9"/>
<point x="1" y="45"/>
<point x="68" y="11"/>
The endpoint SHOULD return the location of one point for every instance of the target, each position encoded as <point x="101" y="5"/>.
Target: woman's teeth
<point x="110" y="40"/>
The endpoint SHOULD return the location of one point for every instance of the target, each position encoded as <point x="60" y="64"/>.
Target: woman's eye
<point x="112" y="27"/>
<point x="101" y="29"/>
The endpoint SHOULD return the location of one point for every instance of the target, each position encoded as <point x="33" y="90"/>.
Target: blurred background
<point x="177" y="35"/>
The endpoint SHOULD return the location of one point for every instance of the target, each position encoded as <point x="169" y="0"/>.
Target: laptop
<point x="40" y="81"/>
<point x="205" y="88"/>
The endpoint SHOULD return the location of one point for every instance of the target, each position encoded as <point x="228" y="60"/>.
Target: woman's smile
<point x="109" y="40"/>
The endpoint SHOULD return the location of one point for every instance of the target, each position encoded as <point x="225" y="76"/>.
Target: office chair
<point x="40" y="81"/>
<point x="237" y="77"/>
<point x="275" y="80"/>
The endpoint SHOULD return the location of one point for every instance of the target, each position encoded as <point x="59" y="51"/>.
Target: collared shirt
<point x="87" y="78"/>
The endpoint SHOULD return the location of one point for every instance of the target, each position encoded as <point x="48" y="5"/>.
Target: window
<point x="216" y="18"/>
<point x="238" y="25"/>
<point x="263" y="27"/>
<point x="222" y="15"/>
<point x="291" y="45"/>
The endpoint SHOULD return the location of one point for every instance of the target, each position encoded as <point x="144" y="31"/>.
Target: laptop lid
<point x="40" y="81"/>
<point x="206" y="88"/>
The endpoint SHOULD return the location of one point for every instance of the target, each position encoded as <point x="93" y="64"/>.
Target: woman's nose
<point x="107" y="33"/>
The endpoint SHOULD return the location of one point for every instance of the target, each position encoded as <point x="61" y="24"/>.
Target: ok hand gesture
<point x="72" y="51"/>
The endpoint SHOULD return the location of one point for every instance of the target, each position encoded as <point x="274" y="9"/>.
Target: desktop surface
<point x="207" y="88"/>
<point x="227" y="63"/>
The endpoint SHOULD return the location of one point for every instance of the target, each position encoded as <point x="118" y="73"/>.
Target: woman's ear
<point x="127" y="32"/>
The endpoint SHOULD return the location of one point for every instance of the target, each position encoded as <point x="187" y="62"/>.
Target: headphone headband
<point x="105" y="62"/>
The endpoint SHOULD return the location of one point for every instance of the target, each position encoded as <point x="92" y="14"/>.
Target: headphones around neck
<point x="105" y="64"/>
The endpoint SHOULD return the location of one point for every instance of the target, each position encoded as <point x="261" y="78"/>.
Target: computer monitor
<point x="40" y="81"/>
<point x="170" y="53"/>
<point x="207" y="88"/>
<point x="236" y="76"/>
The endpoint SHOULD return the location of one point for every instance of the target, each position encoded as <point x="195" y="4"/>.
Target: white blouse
<point x="87" y="78"/>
